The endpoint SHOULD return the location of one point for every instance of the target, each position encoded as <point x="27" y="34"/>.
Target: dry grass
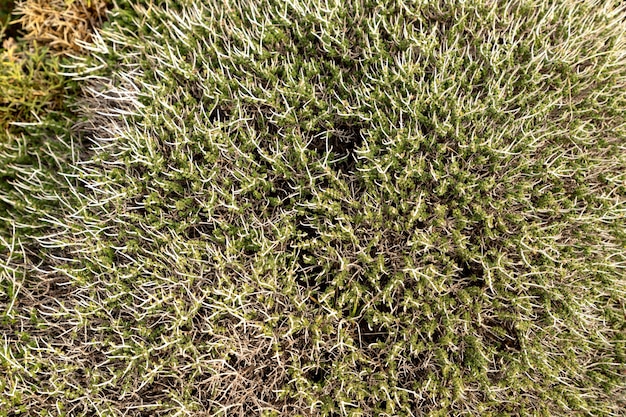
<point x="62" y="25"/>
<point x="30" y="83"/>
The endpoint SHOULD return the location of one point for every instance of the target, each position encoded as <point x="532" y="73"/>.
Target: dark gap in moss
<point x="280" y="190"/>
<point x="200" y="335"/>
<point x="512" y="342"/>
<point x="303" y="226"/>
<point x="358" y="366"/>
<point x="325" y="283"/>
<point x="85" y="137"/>
<point x="425" y="125"/>
<point x="502" y="333"/>
<point x="436" y="336"/>
<point x="262" y="119"/>
<point x="198" y="392"/>
<point x="387" y="42"/>
<point x="472" y="274"/>
<point x="232" y="360"/>
<point x="419" y="224"/>
<point x="12" y="29"/>
<point x="197" y="158"/>
<point x="383" y="308"/>
<point x="260" y="372"/>
<point x="308" y="270"/>
<point x="80" y="376"/>
<point x="317" y="374"/>
<point x="139" y="210"/>
<point x="250" y="248"/>
<point x="161" y="385"/>
<point x="342" y="143"/>
<point x="202" y="227"/>
<point x="219" y="115"/>
<point x="272" y="129"/>
<point x="195" y="90"/>
<point x="321" y="283"/>
<point x="381" y="281"/>
<point x="419" y="362"/>
<point x="118" y="258"/>
<point x="357" y="187"/>
<point x="193" y="233"/>
<point x="368" y="336"/>
<point x="477" y="238"/>
<point x="58" y="289"/>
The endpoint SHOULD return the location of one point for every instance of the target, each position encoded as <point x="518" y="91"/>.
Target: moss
<point x="36" y="115"/>
<point x="330" y="208"/>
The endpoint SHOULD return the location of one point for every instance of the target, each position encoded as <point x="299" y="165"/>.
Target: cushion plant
<point x="333" y="208"/>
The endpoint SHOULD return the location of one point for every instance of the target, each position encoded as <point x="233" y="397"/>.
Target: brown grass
<point x="60" y="24"/>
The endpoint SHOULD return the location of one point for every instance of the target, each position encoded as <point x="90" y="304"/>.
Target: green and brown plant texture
<point x="36" y="108"/>
<point x="34" y="115"/>
<point x="36" y="148"/>
<point x="36" y="103"/>
<point x="364" y="208"/>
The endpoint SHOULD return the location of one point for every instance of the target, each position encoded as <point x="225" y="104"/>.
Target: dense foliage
<point x="335" y="208"/>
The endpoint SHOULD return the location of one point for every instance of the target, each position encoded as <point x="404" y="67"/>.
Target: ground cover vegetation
<point x="36" y="117"/>
<point x="327" y="208"/>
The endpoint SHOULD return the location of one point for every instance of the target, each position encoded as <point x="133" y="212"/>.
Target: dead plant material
<point x="60" y="24"/>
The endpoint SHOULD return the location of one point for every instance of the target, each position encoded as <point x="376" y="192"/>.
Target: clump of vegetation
<point x="64" y="25"/>
<point x="30" y="81"/>
<point x="336" y="208"/>
<point x="33" y="111"/>
<point x="36" y="147"/>
<point x="36" y="102"/>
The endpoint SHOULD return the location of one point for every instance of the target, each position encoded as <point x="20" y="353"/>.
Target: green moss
<point x="35" y="121"/>
<point x="330" y="208"/>
<point x="35" y="149"/>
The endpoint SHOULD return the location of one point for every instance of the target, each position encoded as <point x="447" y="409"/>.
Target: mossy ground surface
<point x="35" y="120"/>
<point x="328" y="208"/>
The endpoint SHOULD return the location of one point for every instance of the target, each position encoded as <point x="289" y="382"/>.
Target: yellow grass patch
<point x="61" y="24"/>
